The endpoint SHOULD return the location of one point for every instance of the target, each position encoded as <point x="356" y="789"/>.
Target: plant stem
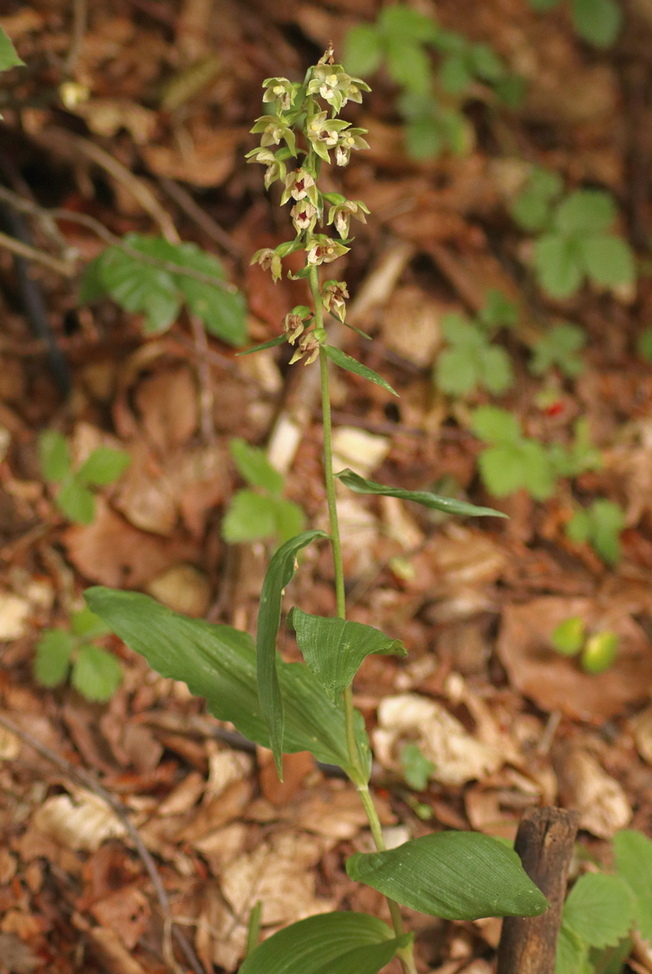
<point x="406" y="955"/>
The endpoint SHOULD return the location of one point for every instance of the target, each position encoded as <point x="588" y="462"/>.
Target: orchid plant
<point x="309" y="706"/>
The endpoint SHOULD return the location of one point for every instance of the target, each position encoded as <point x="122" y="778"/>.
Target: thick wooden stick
<point x="544" y="842"/>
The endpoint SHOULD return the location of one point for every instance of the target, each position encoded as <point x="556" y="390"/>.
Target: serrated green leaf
<point x="83" y="622"/>
<point x="399" y="20"/>
<point x="449" y="505"/>
<point x="103" y="466"/>
<point x="495" y="425"/>
<point x="600" y="909"/>
<point x="8" y="56"/>
<point x="254" y="467"/>
<point x="52" y="660"/>
<point x="96" y="673"/>
<point x="558" y="266"/>
<point x="597" y="21"/>
<point x="498" y="311"/>
<point x="457" y="371"/>
<point x="329" y="943"/>
<point x="54" y="455"/>
<point x="633" y="856"/>
<point x="453" y="875"/>
<point x="279" y="573"/>
<point x="508" y="467"/>
<point x="497" y="372"/>
<point x="76" y="501"/>
<point x="585" y="211"/>
<point x="362" y="50"/>
<point x="559" y="347"/>
<point x="572" y="955"/>
<point x="221" y="309"/>
<point x="350" y="364"/>
<point x="249" y="517"/>
<point x="608" y="260"/>
<point x="334" y="649"/>
<point x="408" y="64"/>
<point x="219" y="663"/>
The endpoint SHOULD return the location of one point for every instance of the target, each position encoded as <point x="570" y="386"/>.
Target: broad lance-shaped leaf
<point x="334" y="648"/>
<point x="279" y="572"/>
<point x="350" y="364"/>
<point x="447" y="504"/>
<point x="453" y="875"/>
<point x="219" y="663"/>
<point x="329" y="943"/>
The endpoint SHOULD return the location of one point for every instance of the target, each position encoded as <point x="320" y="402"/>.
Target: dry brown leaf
<point x="126" y="912"/>
<point x="585" y="786"/>
<point x="182" y="588"/>
<point x="79" y="820"/>
<point x="202" y="155"/>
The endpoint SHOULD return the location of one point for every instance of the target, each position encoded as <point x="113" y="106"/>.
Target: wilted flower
<point x="341" y="215"/>
<point x="322" y="250"/>
<point x="294" y="323"/>
<point x="280" y="90"/>
<point x="269" y="260"/>
<point x="300" y="185"/>
<point x="304" y="216"/>
<point x="333" y="295"/>
<point x="309" y="346"/>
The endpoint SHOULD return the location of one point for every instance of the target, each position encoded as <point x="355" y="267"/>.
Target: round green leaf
<point x="76" y="502"/>
<point x="608" y="260"/>
<point x="254" y="467"/>
<point x="250" y="517"/>
<point x="54" y="455"/>
<point x="53" y="652"/>
<point x="96" y="673"/>
<point x="600" y="909"/>
<point x="329" y="943"/>
<point x="453" y="875"/>
<point x="103" y="466"/>
<point x="585" y="211"/>
<point x="557" y="264"/>
<point x="597" y="21"/>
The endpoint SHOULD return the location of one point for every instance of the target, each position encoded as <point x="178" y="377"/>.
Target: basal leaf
<point x="494" y="425"/>
<point x="329" y="943"/>
<point x="76" y="501"/>
<point x="254" y="467"/>
<point x="250" y="517"/>
<point x="334" y="648"/>
<point x="52" y="660"/>
<point x="279" y="573"/>
<point x="54" y="455"/>
<point x="219" y="663"/>
<point x="600" y="909"/>
<point x="345" y="361"/>
<point x="453" y="875"/>
<point x="96" y="673"/>
<point x="633" y="855"/>
<point x="447" y="504"/>
<point x="103" y="466"/>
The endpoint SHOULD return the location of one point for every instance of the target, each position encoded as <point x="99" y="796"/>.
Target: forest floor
<point x="122" y="817"/>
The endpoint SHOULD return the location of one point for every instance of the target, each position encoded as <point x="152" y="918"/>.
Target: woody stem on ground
<point x="406" y="955"/>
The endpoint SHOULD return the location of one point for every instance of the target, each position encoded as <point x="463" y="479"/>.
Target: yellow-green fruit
<point x="600" y="652"/>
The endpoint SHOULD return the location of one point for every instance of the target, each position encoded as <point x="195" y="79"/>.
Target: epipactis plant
<point x="309" y="706"/>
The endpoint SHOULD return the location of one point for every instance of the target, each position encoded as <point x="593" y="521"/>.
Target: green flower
<point x="273" y="130"/>
<point x="300" y="185"/>
<point x="341" y="214"/>
<point x="333" y="295"/>
<point x="304" y="216"/>
<point x="334" y="85"/>
<point x="269" y="260"/>
<point x="324" y="133"/>
<point x="323" y="250"/>
<point x="350" y="140"/>
<point x="282" y="91"/>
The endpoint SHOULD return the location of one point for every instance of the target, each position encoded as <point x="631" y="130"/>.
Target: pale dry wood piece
<point x="544" y="842"/>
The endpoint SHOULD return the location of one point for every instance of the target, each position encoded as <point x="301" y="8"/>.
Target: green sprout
<point x="74" y="495"/>
<point x="74" y="652"/>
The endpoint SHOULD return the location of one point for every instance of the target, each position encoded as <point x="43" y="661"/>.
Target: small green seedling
<point x="262" y="512"/>
<point x="604" y="912"/>
<point x="513" y="461"/>
<point x="432" y="92"/>
<point x="575" y="241"/>
<point x="93" y="671"/>
<point x="156" y="278"/>
<point x="471" y="361"/>
<point x="598" y="22"/>
<point x="599" y="525"/>
<point x="559" y="348"/>
<point x="596" y="652"/>
<point x="74" y="496"/>
<point x="417" y="769"/>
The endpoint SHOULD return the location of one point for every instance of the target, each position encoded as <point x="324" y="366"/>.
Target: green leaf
<point x="453" y="875"/>
<point x="416" y="768"/>
<point x="449" y="505"/>
<point x="633" y="856"/>
<point x="96" y="674"/>
<point x="289" y="518"/>
<point x="272" y="343"/>
<point x="250" y="517"/>
<point x="408" y="64"/>
<point x="608" y="260"/>
<point x="508" y="467"/>
<point x="76" y="502"/>
<point x="559" y="347"/>
<point x="329" y="943"/>
<point x="600" y="651"/>
<point x="103" y="466"/>
<point x="8" y="56"/>
<point x="495" y="425"/>
<point x="399" y="20"/>
<point x="572" y="955"/>
<point x="485" y="63"/>
<point x="497" y="375"/>
<point x="455" y="74"/>
<point x="568" y="636"/>
<point x="607" y="521"/>
<point x="222" y="309"/>
<point x="362" y="50"/>
<point x="558" y="266"/>
<point x="334" y="649"/>
<point x="585" y="211"/>
<point x="254" y="467"/>
<point x="457" y="371"/>
<point x="279" y="573"/>
<point x="498" y="311"/>
<point x="532" y="209"/>
<point x="600" y="909"/>
<point x="219" y="663"/>
<point x="52" y="660"/>
<point x="424" y="139"/>
<point x="541" y="5"/>
<point x="597" y="21"/>
<point x="86" y="623"/>
<point x="54" y="455"/>
<point x="345" y="361"/>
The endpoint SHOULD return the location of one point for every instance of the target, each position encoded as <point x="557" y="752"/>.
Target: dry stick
<point x="192" y="209"/>
<point x="122" y="812"/>
<point x="206" y="388"/>
<point x="545" y="839"/>
<point x="38" y="256"/>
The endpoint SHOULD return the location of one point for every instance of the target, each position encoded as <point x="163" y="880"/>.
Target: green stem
<point x="406" y="955"/>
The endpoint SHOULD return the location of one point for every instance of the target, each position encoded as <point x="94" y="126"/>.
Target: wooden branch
<point x="544" y="841"/>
